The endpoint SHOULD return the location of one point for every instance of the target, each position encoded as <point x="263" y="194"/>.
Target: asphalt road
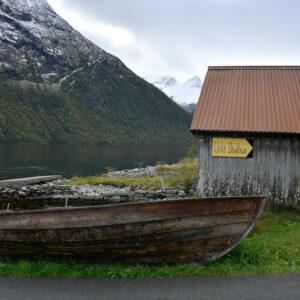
<point x="286" y="287"/>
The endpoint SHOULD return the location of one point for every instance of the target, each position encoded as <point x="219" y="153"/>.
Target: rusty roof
<point x="249" y="99"/>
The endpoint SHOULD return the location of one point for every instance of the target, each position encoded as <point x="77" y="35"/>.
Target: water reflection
<point x="19" y="160"/>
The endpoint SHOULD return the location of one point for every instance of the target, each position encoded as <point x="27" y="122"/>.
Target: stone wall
<point x="53" y="194"/>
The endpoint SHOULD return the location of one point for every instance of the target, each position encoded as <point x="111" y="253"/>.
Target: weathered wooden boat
<point x="166" y="231"/>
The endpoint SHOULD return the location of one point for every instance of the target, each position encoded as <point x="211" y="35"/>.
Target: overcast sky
<point x="182" y="37"/>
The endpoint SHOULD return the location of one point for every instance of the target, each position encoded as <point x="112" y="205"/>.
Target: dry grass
<point x="185" y="172"/>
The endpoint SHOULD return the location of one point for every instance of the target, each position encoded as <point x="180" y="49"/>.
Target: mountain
<point x="189" y="107"/>
<point x="186" y="94"/>
<point x="163" y="82"/>
<point x="58" y="87"/>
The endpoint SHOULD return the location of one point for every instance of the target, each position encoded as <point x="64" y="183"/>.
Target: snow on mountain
<point x="33" y="36"/>
<point x="185" y="94"/>
<point x="191" y="107"/>
<point x="162" y="82"/>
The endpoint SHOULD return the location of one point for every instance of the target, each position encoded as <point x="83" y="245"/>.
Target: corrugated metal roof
<point x="249" y="99"/>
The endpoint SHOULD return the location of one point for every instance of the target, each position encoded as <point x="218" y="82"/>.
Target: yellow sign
<point x="230" y="147"/>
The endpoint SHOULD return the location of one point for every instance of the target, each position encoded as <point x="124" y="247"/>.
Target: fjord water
<point x="22" y="160"/>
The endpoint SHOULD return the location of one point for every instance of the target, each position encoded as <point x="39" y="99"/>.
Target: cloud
<point x="116" y="35"/>
<point x="181" y="38"/>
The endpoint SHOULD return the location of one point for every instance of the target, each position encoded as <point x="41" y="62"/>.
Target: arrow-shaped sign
<point x="230" y="147"/>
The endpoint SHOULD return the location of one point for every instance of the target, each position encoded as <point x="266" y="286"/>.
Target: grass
<point x="185" y="173"/>
<point x="272" y="248"/>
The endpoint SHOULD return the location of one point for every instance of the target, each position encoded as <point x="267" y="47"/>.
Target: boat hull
<point x="168" y="231"/>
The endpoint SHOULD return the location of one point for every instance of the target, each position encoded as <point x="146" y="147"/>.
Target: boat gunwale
<point x="117" y="205"/>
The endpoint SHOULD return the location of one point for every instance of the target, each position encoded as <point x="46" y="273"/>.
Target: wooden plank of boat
<point x="167" y="231"/>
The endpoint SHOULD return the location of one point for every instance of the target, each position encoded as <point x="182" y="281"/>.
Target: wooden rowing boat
<point x="166" y="231"/>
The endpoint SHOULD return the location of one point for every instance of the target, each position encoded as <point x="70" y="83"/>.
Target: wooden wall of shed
<point x="275" y="166"/>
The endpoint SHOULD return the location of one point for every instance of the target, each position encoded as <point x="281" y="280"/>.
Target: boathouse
<point x="247" y="123"/>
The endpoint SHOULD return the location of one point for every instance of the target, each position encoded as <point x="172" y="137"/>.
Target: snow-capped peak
<point x="183" y="93"/>
<point x="162" y="82"/>
<point x="166" y="82"/>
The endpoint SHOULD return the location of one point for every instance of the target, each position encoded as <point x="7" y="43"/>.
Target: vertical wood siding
<point x="275" y="166"/>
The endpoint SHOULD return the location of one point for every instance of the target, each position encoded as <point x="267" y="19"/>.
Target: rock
<point x="4" y="192"/>
<point x="136" y="172"/>
<point x="23" y="194"/>
<point x="124" y="199"/>
<point x="158" y="193"/>
<point x="114" y="199"/>
<point x="170" y="196"/>
<point x="16" y="196"/>
<point x="143" y="192"/>
<point x="171" y="191"/>
<point x="109" y="194"/>
<point x="140" y="198"/>
<point x="181" y="193"/>
<point x="11" y="192"/>
<point x="152" y="199"/>
<point x="179" y="186"/>
<point x="151" y="192"/>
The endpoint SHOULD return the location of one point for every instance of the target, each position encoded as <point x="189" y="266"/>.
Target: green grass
<point x="272" y="248"/>
<point x="185" y="173"/>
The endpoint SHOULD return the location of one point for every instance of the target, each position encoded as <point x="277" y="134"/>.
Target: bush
<point x="110" y="169"/>
<point x="191" y="153"/>
<point x="187" y="176"/>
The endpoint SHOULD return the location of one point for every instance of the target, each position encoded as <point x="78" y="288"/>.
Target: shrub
<point x="191" y="153"/>
<point x="110" y="169"/>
